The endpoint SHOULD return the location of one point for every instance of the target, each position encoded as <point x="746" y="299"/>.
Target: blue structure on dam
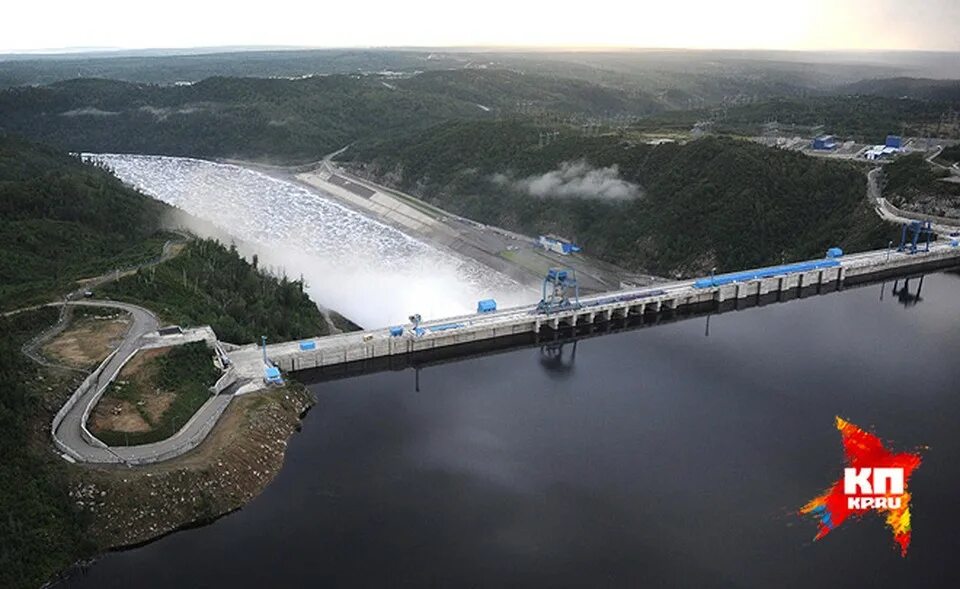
<point x="769" y="272"/>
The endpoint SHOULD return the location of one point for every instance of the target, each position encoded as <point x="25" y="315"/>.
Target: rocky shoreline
<point x="244" y="452"/>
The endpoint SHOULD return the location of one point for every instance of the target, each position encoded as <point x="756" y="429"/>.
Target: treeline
<point x="911" y="172"/>
<point x="512" y="91"/>
<point x="167" y="69"/>
<point x="951" y="154"/>
<point x="862" y="118"/>
<point x="267" y="119"/>
<point x="61" y="219"/>
<point x="41" y="533"/>
<point x="209" y="284"/>
<point x="912" y="182"/>
<point x="710" y="203"/>
<point x="283" y="120"/>
<point x="946" y="91"/>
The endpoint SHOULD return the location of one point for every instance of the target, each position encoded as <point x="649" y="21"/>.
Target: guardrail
<point x="88" y="382"/>
<point x="194" y="440"/>
<point x="918" y="216"/>
<point x="84" y="431"/>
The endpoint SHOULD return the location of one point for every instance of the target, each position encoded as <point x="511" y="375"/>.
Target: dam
<point x="740" y="288"/>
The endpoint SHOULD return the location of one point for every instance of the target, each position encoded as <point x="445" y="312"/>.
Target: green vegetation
<point x="918" y="88"/>
<point x="284" y="120"/>
<point x="913" y="183"/>
<point x="910" y="173"/>
<point x="186" y="371"/>
<point x="40" y="532"/>
<point x="168" y="69"/>
<point x="863" y="118"/>
<point x="208" y="284"/>
<point x="61" y="220"/>
<point x="276" y="120"/>
<point x="511" y="91"/>
<point x="951" y="154"/>
<point x="714" y="202"/>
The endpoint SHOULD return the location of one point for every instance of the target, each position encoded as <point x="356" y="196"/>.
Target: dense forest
<point x="918" y="88"/>
<point x="276" y="120"/>
<point x="911" y="183"/>
<point x="40" y="532"/>
<point x="283" y="120"/>
<point x="208" y="284"/>
<point x="713" y="202"/>
<point x="61" y="219"/>
<point x="862" y="118"/>
<point x="678" y="78"/>
<point x="187" y="66"/>
<point x="911" y="172"/>
<point x="951" y="154"/>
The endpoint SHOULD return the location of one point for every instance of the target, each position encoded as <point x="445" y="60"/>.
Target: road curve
<point x="68" y="430"/>
<point x="892" y="214"/>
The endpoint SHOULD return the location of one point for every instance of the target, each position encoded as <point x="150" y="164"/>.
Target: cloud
<point x="576" y="179"/>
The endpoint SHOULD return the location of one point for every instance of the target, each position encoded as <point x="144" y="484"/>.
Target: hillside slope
<point x="281" y="120"/>
<point x="672" y="209"/>
<point x="61" y="219"/>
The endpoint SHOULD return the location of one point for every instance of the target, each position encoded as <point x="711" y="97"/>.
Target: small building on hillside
<point x="701" y="129"/>
<point x="881" y="152"/>
<point x="553" y="243"/>
<point x="894" y="141"/>
<point x="825" y="142"/>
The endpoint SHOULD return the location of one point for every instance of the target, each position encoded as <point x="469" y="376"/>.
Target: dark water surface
<point x="660" y="458"/>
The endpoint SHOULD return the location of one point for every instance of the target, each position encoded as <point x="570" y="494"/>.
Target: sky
<point x="730" y="24"/>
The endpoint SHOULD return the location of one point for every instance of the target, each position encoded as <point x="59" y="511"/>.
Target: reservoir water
<point x="658" y="457"/>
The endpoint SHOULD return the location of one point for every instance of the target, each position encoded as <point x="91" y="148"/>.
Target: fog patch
<point x="89" y="111"/>
<point x="577" y="179"/>
<point x="164" y="112"/>
<point x="371" y="273"/>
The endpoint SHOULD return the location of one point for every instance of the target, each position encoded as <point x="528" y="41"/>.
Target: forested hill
<point x="672" y="209"/>
<point x="947" y="91"/>
<point x="862" y="117"/>
<point x="277" y="120"/>
<point x="61" y="219"/>
<point x="285" y="121"/>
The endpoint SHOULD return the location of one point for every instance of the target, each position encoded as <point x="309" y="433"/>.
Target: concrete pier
<point x="379" y="343"/>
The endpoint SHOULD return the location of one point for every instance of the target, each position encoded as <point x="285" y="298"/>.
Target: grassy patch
<point x="186" y="372"/>
<point x="91" y="336"/>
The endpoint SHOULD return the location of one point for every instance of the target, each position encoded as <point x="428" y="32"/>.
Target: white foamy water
<point x="372" y="273"/>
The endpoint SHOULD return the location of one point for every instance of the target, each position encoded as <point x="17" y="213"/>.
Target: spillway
<point x="373" y="273"/>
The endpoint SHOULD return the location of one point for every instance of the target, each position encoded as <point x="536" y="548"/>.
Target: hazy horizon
<point x="214" y="49"/>
<point x="818" y="25"/>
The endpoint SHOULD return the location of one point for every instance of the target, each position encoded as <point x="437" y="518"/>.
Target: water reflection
<point x="903" y="294"/>
<point x="664" y="460"/>
<point x="558" y="359"/>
